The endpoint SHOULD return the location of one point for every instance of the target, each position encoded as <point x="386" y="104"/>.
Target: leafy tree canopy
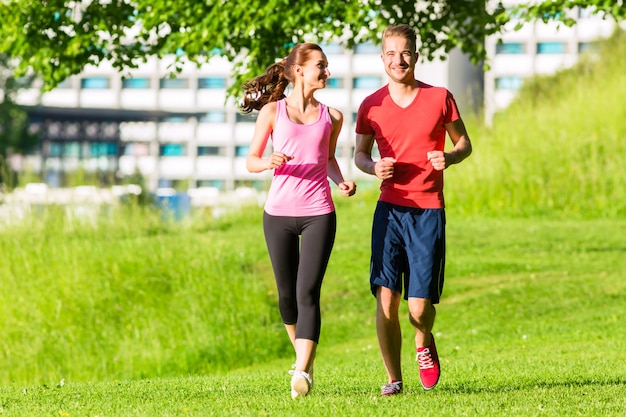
<point x="58" y="38"/>
<point x="14" y="134"/>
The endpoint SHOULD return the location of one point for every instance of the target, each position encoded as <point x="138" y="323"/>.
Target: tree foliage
<point x="14" y="134"/>
<point x="58" y="38"/>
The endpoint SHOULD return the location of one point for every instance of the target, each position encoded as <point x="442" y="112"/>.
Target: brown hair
<point x="404" y="31"/>
<point x="271" y="85"/>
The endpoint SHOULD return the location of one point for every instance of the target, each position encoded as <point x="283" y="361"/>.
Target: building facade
<point x="184" y="132"/>
<point x="537" y="48"/>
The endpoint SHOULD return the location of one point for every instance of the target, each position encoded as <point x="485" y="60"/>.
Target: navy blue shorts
<point x="408" y="250"/>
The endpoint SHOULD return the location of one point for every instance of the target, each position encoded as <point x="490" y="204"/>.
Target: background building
<point x="184" y="132"/>
<point x="536" y="48"/>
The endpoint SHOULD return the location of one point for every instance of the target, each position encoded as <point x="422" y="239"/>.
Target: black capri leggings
<point x="299" y="267"/>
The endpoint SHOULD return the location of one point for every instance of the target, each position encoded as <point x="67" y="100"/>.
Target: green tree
<point x="14" y="134"/>
<point x="57" y="38"/>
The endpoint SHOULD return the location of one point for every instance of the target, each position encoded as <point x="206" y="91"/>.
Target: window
<point x="136" y="83"/>
<point x="332" y="49"/>
<point x="211" y="83"/>
<point x="174" y="119"/>
<point x="585" y="12"/>
<point x="219" y="184"/>
<point x="56" y="149"/>
<point x="102" y="148"/>
<point x="369" y="82"/>
<point x="510" y="48"/>
<point x="172" y="149"/>
<point x="509" y="83"/>
<point x="334" y="83"/>
<point x="585" y="47"/>
<point x="137" y="149"/>
<point x="367" y="48"/>
<point x="94" y="83"/>
<point x="248" y="187"/>
<point x="64" y="149"/>
<point x="552" y="15"/>
<point x="213" y="116"/>
<point x="246" y="118"/>
<point x="551" y="48"/>
<point x="165" y="183"/>
<point x="210" y="151"/>
<point x="242" y="150"/>
<point x="66" y="83"/>
<point x="174" y="83"/>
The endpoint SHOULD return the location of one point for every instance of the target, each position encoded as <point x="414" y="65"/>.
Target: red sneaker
<point x="393" y="388"/>
<point x="428" y="361"/>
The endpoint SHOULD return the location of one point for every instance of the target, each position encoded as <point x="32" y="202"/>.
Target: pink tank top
<point x="301" y="187"/>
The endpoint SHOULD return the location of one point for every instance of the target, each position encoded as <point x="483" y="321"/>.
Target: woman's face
<point x="314" y="72"/>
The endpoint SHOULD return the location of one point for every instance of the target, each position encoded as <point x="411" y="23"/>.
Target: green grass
<point x="530" y="324"/>
<point x="126" y="314"/>
<point x="558" y="150"/>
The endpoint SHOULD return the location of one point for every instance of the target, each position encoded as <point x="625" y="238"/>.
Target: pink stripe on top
<point x="300" y="187"/>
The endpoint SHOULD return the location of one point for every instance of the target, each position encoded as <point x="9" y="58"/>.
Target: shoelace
<point x="425" y="360"/>
<point x="302" y="374"/>
<point x="392" y="388"/>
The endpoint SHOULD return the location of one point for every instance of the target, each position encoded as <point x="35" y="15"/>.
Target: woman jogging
<point x="299" y="215"/>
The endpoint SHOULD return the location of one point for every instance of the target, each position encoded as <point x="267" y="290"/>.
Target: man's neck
<point x="403" y="94"/>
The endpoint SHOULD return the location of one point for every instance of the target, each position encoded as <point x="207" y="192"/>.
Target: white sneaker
<point x="300" y="384"/>
<point x="311" y="376"/>
<point x="293" y="367"/>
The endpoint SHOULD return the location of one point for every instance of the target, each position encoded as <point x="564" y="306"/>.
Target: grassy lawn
<point x="530" y="324"/>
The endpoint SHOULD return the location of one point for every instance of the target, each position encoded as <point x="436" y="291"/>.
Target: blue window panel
<point x="509" y="83"/>
<point x="552" y="15"/>
<point x="136" y="83"/>
<point x="367" y="49"/>
<point x="137" y="149"/>
<point x="332" y="48"/>
<point x="71" y="149"/>
<point x="172" y="149"/>
<point x="219" y="184"/>
<point x="174" y="83"/>
<point x="586" y="47"/>
<point x="103" y="148"/>
<point x="175" y="119"/>
<point x="95" y="83"/>
<point x="56" y="149"/>
<point x="212" y="83"/>
<point x="165" y="183"/>
<point x="368" y="82"/>
<point x="209" y="151"/>
<point x="510" y="48"/>
<point x="551" y="48"/>
<point x="213" y="117"/>
<point x="334" y="83"/>
<point x="242" y="150"/>
<point x="66" y="83"/>
<point x="245" y="118"/>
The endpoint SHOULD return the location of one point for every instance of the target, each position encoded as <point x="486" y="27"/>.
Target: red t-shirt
<point x="408" y="134"/>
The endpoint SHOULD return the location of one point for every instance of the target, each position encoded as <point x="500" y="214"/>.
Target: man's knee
<point x="421" y="310"/>
<point x="388" y="301"/>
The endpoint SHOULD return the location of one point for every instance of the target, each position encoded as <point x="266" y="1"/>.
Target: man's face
<point x="399" y="58"/>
